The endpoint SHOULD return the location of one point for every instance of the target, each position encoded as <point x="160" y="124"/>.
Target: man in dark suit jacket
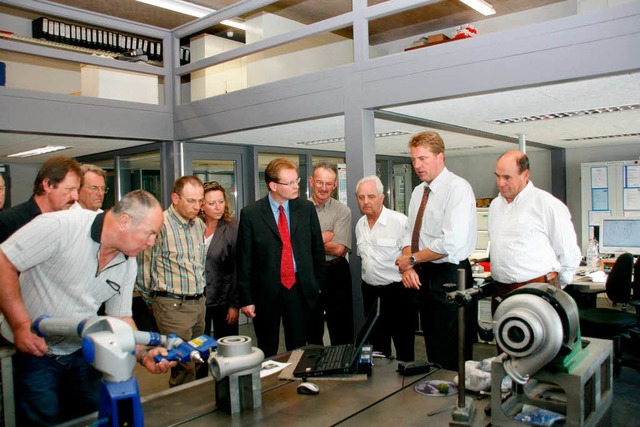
<point x="263" y="296"/>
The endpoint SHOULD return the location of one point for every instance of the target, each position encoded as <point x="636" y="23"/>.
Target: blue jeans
<point x="50" y="390"/>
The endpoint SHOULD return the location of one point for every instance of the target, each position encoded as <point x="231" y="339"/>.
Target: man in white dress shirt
<point x="532" y="237"/>
<point x="379" y="236"/>
<point x="436" y="246"/>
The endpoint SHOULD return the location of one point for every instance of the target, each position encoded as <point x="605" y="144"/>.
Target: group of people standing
<point x="283" y="263"/>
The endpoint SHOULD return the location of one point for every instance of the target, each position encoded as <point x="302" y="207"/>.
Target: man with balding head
<point x="55" y="189"/>
<point x="64" y="265"/>
<point x="532" y="237"/>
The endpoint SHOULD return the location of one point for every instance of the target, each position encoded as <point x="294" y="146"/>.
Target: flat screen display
<point x="620" y="235"/>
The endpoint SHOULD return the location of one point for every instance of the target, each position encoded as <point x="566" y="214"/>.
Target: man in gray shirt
<point x="335" y="223"/>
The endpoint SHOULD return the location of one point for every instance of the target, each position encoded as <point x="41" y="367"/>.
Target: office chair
<point x="635" y="285"/>
<point x="611" y="323"/>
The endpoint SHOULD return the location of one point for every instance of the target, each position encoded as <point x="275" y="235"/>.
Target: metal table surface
<point x="385" y="398"/>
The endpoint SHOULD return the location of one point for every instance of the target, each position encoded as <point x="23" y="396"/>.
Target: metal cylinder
<point x="461" y="341"/>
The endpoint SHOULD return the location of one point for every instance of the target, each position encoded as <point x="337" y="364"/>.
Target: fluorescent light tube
<point x="479" y="5"/>
<point x="190" y="9"/>
<point x="38" y="151"/>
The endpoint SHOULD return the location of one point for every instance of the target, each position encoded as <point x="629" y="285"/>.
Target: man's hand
<point x="327" y="236"/>
<point x="148" y="361"/>
<point x="411" y="280"/>
<point x="249" y="311"/>
<point x="403" y="263"/>
<point x="28" y="342"/>
<point x="232" y="315"/>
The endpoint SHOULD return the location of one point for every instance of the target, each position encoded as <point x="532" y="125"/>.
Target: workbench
<point x="385" y="398"/>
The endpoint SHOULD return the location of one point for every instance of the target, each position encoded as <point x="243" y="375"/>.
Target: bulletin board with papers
<point x="609" y="190"/>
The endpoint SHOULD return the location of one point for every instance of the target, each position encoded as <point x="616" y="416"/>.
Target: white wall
<point x="478" y="170"/>
<point x="304" y="56"/>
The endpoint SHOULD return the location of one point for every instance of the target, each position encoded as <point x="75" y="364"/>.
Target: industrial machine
<point x="108" y="344"/>
<point x="553" y="368"/>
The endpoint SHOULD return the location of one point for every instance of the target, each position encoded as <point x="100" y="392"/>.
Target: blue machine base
<point x="120" y="404"/>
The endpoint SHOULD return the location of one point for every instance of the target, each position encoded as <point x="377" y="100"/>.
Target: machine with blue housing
<point x="109" y="345"/>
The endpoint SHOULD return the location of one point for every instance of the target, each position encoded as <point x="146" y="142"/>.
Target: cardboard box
<point x="437" y="38"/>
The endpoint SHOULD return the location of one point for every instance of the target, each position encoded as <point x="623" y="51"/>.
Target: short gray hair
<point x="136" y="205"/>
<point x="373" y="178"/>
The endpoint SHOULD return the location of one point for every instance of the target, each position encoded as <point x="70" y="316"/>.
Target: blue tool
<point x="198" y="349"/>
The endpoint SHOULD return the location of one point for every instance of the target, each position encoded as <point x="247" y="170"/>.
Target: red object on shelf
<point x="486" y="265"/>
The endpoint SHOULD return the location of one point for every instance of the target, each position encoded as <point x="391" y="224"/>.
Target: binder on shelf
<point x="95" y="38"/>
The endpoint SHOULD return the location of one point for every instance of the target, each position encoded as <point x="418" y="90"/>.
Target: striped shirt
<point x="57" y="255"/>
<point x="175" y="264"/>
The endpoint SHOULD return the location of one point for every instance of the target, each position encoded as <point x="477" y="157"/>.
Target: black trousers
<point x="335" y="306"/>
<point x="439" y="317"/>
<point x="397" y="316"/>
<point x="291" y="308"/>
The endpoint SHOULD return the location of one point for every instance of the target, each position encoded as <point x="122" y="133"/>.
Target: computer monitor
<point x="619" y="235"/>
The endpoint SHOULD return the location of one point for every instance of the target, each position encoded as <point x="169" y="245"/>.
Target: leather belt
<point x="176" y="296"/>
<point x="333" y="261"/>
<point x="545" y="278"/>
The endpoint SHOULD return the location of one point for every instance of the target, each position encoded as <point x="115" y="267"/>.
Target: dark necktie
<point x="287" y="274"/>
<point x="415" y="236"/>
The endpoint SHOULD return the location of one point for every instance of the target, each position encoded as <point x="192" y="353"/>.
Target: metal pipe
<point x="461" y="335"/>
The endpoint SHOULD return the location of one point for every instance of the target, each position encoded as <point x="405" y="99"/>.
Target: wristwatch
<point x="412" y="260"/>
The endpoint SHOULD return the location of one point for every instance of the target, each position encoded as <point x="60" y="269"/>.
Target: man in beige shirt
<point x="335" y="297"/>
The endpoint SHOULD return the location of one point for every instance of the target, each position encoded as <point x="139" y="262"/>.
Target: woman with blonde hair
<point x="221" y="291"/>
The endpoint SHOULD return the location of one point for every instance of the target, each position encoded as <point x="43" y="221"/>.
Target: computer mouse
<point x="308" y="388"/>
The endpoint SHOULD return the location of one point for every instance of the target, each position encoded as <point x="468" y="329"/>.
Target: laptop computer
<point x="337" y="359"/>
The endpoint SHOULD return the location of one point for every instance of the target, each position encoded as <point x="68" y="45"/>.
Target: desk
<point x="583" y="290"/>
<point x="386" y="398"/>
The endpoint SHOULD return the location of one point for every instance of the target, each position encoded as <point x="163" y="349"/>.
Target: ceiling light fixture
<point x="470" y="147"/>
<point x="38" y="151"/>
<point x="341" y="138"/>
<point x="479" y="5"/>
<point x="566" y="114"/>
<point x="589" y="138"/>
<point x="191" y="9"/>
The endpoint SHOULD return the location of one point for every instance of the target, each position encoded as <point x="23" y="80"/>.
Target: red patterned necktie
<point x="287" y="274"/>
<point x="415" y="236"/>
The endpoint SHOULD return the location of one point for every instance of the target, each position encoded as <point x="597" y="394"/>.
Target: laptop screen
<point x="361" y="339"/>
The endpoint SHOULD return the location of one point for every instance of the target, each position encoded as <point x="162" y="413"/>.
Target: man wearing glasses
<point x="280" y="260"/>
<point x="55" y="189"/>
<point x="92" y="189"/>
<point x="171" y="272"/>
<point x="335" y="223"/>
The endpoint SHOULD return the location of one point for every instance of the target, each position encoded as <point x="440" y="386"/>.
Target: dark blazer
<point x="259" y="250"/>
<point x="220" y="267"/>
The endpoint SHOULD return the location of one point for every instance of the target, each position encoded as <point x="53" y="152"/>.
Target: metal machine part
<point x="234" y="355"/>
<point x="236" y="368"/>
<point x="533" y="325"/>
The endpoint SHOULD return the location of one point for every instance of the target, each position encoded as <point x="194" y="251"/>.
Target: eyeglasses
<point x="198" y="202"/>
<point x="323" y="184"/>
<point x="291" y="183"/>
<point x="95" y="188"/>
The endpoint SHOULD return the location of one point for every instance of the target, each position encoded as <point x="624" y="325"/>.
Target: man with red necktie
<point x="280" y="260"/>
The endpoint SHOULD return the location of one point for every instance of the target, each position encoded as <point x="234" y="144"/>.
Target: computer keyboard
<point x="336" y="356"/>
